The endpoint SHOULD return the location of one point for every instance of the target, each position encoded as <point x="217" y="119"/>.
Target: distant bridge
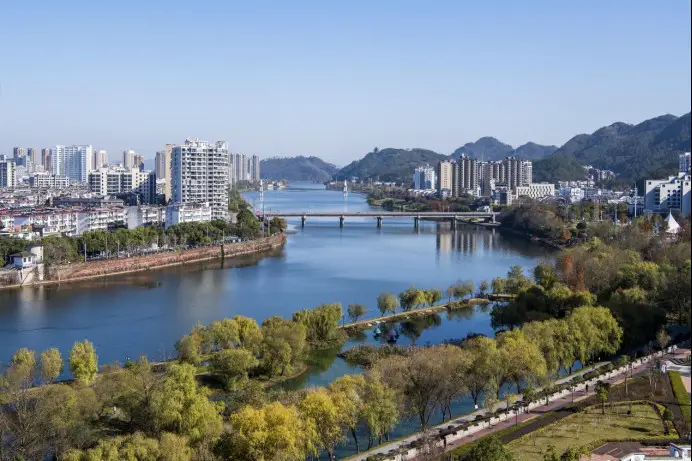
<point x="381" y="215"/>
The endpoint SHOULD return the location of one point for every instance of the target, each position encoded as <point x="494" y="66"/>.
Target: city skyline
<point x="336" y="80"/>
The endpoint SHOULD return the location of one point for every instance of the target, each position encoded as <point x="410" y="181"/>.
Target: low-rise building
<point x="48" y="181"/>
<point x="94" y="219"/>
<point x="673" y="193"/>
<point x="536" y="190"/>
<point x="145" y="215"/>
<point x="188" y="212"/>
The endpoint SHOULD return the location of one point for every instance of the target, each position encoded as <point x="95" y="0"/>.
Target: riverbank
<point x="105" y="268"/>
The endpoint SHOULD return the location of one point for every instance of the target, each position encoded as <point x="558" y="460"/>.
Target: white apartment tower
<point x="244" y="168"/>
<point x="6" y="173"/>
<point x="685" y="163"/>
<point x="444" y="173"/>
<point x="199" y="174"/>
<point x="75" y="162"/>
<point x="129" y="158"/>
<point x="100" y="159"/>
<point x="424" y="178"/>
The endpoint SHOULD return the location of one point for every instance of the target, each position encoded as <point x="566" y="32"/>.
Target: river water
<point x="126" y="316"/>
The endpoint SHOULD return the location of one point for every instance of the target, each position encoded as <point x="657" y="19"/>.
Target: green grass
<point x="681" y="395"/>
<point x="588" y="426"/>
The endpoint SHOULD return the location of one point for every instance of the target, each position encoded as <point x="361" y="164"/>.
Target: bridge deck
<point x="383" y="214"/>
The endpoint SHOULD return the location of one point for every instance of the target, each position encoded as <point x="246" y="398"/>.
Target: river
<point x="130" y="315"/>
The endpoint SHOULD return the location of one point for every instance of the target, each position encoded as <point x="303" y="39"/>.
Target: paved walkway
<point x="552" y="406"/>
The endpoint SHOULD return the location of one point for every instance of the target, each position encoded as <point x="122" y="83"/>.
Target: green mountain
<point x="486" y="148"/>
<point x="299" y="168"/>
<point x="648" y="149"/>
<point x="532" y="151"/>
<point x="390" y="164"/>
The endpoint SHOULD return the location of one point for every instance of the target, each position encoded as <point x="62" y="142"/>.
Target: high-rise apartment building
<point x="138" y="163"/>
<point x="45" y="160"/>
<point x="443" y="175"/>
<point x="100" y="159"/>
<point x="199" y="174"/>
<point x="32" y="154"/>
<point x="469" y="176"/>
<point x="685" y="163"/>
<point x="424" y="178"/>
<point x="129" y="158"/>
<point x="75" y="162"/>
<point x="6" y="173"/>
<point x="18" y="152"/>
<point x="465" y="176"/>
<point x="160" y="164"/>
<point x="244" y="168"/>
<point x="167" y="189"/>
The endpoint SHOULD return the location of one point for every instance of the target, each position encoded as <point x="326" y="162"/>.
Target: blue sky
<point x="335" y="78"/>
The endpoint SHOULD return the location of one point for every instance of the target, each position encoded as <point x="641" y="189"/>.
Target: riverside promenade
<point x="508" y="419"/>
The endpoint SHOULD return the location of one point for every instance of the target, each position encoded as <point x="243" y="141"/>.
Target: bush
<point x="681" y="395"/>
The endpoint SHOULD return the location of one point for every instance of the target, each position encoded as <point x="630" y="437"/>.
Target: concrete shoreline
<point x="76" y="272"/>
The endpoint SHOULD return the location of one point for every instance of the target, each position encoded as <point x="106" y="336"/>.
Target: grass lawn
<point x="588" y="426"/>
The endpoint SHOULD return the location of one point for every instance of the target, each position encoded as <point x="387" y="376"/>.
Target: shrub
<point x="681" y="395"/>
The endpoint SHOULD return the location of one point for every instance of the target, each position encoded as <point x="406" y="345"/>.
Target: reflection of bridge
<point x="380" y="215"/>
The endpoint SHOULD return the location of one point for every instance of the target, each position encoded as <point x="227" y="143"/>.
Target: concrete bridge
<point x="381" y="215"/>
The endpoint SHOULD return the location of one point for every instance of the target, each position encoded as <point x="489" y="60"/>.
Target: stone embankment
<point x="104" y="268"/>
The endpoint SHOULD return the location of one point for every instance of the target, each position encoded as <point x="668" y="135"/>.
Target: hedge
<point x="681" y="394"/>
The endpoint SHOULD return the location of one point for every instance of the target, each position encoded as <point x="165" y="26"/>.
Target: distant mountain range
<point x="390" y="164"/>
<point x="298" y="168"/>
<point x="648" y="149"/>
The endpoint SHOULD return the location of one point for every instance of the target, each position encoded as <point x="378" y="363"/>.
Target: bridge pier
<point x="416" y="220"/>
<point x="302" y="221"/>
<point x="493" y="218"/>
<point x="379" y="222"/>
<point x="341" y="221"/>
<point x="454" y="223"/>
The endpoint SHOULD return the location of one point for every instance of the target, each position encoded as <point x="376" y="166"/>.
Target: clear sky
<point x="335" y="78"/>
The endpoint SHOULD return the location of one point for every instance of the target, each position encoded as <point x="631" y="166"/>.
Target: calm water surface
<point x="126" y="316"/>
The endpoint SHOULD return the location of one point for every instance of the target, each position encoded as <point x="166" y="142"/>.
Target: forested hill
<point x="486" y="148"/>
<point x="390" y="164"/>
<point x="648" y="149"/>
<point x="300" y="168"/>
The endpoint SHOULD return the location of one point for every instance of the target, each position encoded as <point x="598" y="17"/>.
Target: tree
<point x="413" y="297"/>
<point x="483" y="288"/>
<point x="232" y="366"/>
<point x="545" y="275"/>
<point x="416" y="378"/>
<point x="347" y="393"/>
<point x="460" y="289"/>
<point x="489" y="448"/>
<point x="249" y="333"/>
<point x="321" y="324"/>
<point x="498" y="285"/>
<point x="323" y="418"/>
<point x="189" y="349"/>
<point x="574" y="454"/>
<point x="387" y="302"/>
<point x="481" y="354"/>
<point x="433" y="296"/>
<point x="179" y="405"/>
<point x="51" y="365"/>
<point x="356" y="311"/>
<point x="84" y="362"/>
<point x="224" y="333"/>
<point x="602" y="391"/>
<point x="274" y="431"/>
<point x="22" y="369"/>
<point x="516" y="280"/>
<point x="662" y="338"/>
<point x="525" y="361"/>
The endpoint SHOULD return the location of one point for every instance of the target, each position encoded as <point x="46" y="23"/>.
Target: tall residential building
<point x="6" y="173"/>
<point x="199" y="174"/>
<point x="100" y="159"/>
<point x="18" y="152"/>
<point x="443" y="175"/>
<point x="685" y="163"/>
<point x="111" y="181"/>
<point x="129" y="158"/>
<point x="424" y="178"/>
<point x="243" y="168"/>
<point x="45" y="160"/>
<point x="32" y="153"/>
<point x="465" y="176"/>
<point x="75" y="162"/>
<point x="167" y="189"/>
<point x="160" y="164"/>
<point x="138" y="163"/>
<point x="669" y="194"/>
